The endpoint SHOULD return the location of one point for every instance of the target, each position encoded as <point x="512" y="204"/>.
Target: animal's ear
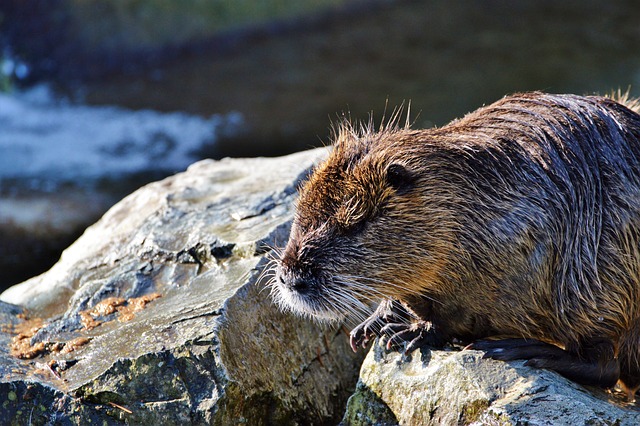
<point x="399" y="178"/>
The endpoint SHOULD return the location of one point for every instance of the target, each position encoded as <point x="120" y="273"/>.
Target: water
<point x="62" y="165"/>
<point x="46" y="142"/>
<point x="447" y="57"/>
<point x="92" y="142"/>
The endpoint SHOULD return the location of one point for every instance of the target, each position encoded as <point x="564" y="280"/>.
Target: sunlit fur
<point x="520" y="219"/>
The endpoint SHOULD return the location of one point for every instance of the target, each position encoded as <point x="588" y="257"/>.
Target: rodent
<point x="520" y="220"/>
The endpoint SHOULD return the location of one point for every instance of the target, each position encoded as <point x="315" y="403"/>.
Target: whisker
<point x="371" y="295"/>
<point x="387" y="283"/>
<point x="348" y="298"/>
<point x="268" y="273"/>
<point x="367" y="294"/>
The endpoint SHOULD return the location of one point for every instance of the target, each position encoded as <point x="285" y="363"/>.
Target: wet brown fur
<point x="521" y="219"/>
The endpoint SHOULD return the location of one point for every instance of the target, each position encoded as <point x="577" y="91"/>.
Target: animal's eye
<point x="400" y="179"/>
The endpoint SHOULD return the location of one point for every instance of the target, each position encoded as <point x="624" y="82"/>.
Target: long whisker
<point x="347" y="298"/>
<point x="367" y="294"/>
<point x="402" y="286"/>
<point x="268" y="275"/>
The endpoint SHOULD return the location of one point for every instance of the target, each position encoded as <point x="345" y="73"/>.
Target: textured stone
<point x="459" y="387"/>
<point x="213" y="349"/>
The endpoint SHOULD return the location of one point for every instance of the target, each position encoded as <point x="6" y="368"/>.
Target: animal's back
<point x="580" y="157"/>
<point x="568" y="166"/>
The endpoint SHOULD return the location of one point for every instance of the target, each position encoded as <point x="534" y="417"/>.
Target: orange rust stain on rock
<point x="20" y="346"/>
<point x="106" y="307"/>
<point x="127" y="312"/>
<point x="87" y="321"/>
<point x="125" y="308"/>
<point x="74" y="344"/>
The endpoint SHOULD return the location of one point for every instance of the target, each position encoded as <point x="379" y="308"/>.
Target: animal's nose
<point x="292" y="281"/>
<point x="298" y="284"/>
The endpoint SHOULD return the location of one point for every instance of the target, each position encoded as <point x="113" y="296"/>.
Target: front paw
<point x="364" y="332"/>
<point x="388" y="312"/>
<point x="415" y="335"/>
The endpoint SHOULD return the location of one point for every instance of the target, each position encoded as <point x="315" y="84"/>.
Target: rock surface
<point x="459" y="387"/>
<point x="156" y="314"/>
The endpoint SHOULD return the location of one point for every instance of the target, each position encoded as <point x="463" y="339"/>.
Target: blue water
<point x="46" y="142"/>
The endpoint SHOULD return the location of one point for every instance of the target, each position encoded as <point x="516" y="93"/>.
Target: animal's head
<point x="371" y="224"/>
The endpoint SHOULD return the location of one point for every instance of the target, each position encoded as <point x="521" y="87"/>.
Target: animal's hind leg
<point x="593" y="364"/>
<point x="630" y="366"/>
<point x="629" y="382"/>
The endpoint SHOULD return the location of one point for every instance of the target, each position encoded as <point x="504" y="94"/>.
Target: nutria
<point x="519" y="221"/>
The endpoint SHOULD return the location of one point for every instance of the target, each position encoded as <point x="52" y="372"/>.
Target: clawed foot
<point x="393" y="321"/>
<point x="387" y="312"/>
<point x="418" y="334"/>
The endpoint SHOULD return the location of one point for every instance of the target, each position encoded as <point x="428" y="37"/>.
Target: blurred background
<point x="98" y="97"/>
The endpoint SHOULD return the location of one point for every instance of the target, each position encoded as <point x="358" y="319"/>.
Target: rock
<point x="158" y="314"/>
<point x="35" y="227"/>
<point x="459" y="387"/>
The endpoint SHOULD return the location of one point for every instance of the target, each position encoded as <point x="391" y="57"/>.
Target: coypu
<point x="519" y="221"/>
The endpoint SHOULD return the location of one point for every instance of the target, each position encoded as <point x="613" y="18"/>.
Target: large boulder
<point x="460" y="388"/>
<point x="159" y="313"/>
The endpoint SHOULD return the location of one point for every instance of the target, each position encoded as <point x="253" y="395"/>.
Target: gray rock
<point x="459" y="387"/>
<point x="213" y="349"/>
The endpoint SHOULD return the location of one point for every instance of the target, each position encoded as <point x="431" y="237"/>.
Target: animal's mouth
<point x="305" y="302"/>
